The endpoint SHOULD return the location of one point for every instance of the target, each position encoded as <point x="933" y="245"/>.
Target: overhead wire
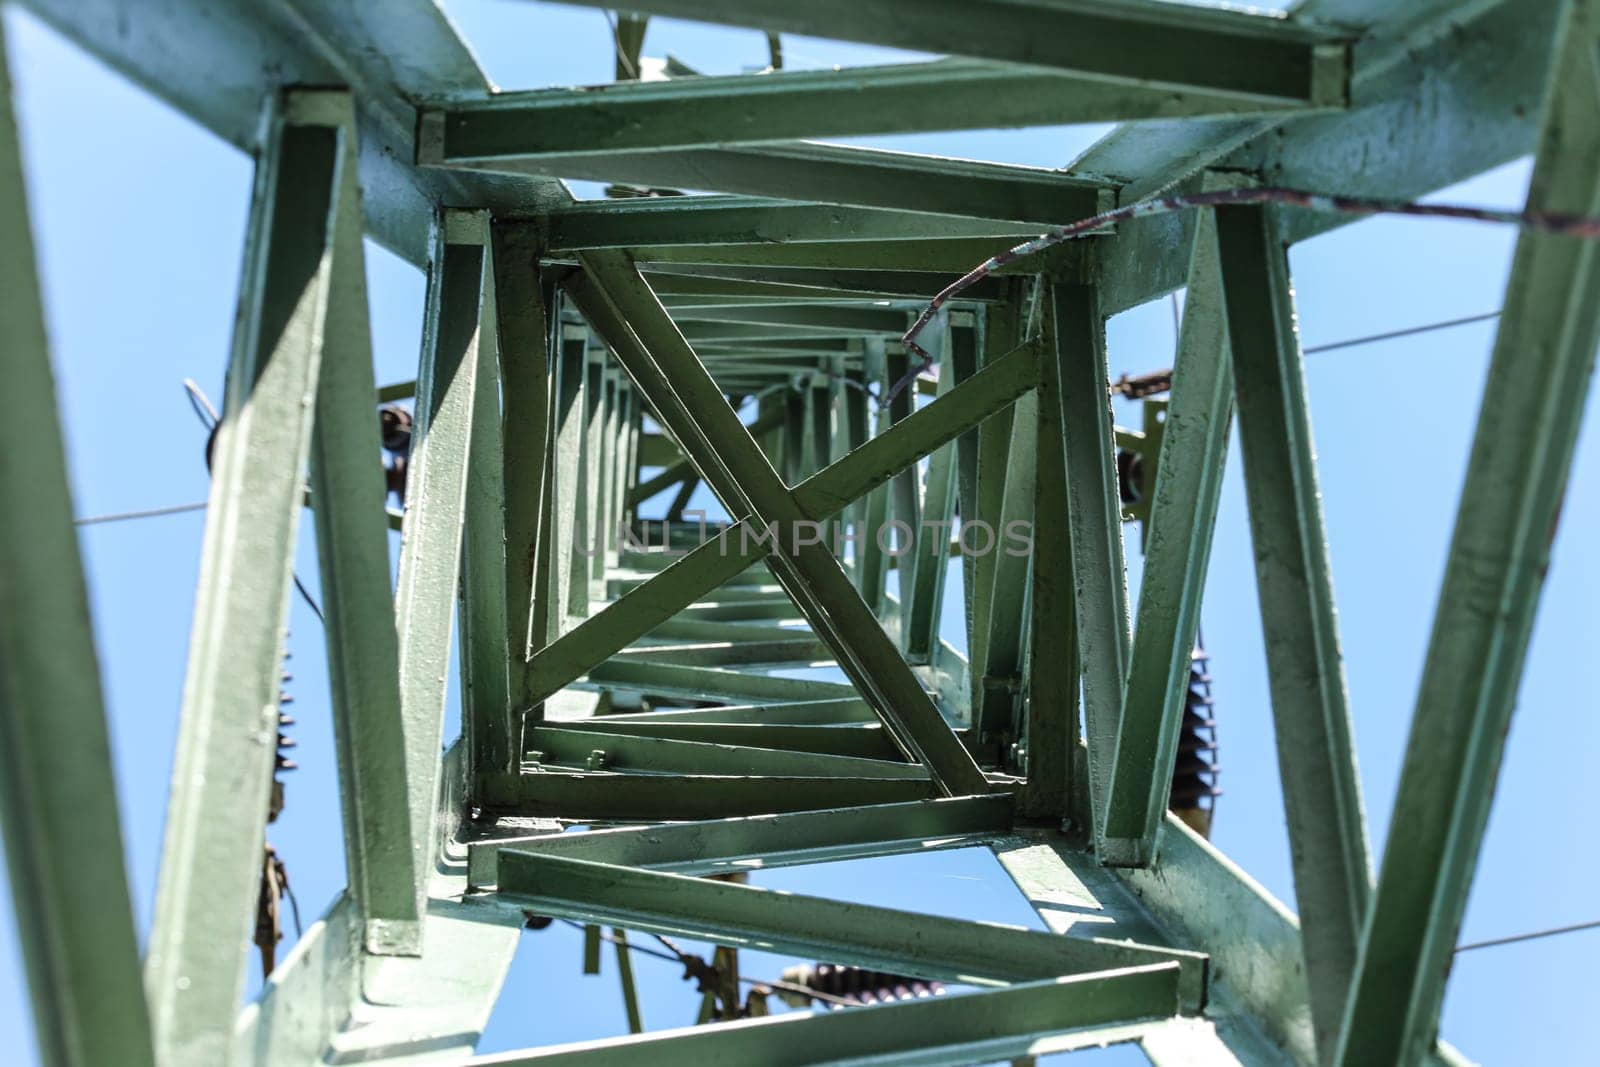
<point x="146" y="513"/>
<point x="1134" y="386"/>
<point x="1532" y="935"/>
<point x="1406" y="332"/>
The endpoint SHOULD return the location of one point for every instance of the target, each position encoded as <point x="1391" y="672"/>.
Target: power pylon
<point x="619" y="672"/>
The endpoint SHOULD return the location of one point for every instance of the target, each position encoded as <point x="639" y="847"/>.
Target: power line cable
<point x="1407" y="332"/>
<point x="146" y="513"/>
<point x="1554" y="931"/>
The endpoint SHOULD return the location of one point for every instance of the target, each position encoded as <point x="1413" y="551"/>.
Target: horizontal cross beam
<point x="952" y="94"/>
<point x="559" y="746"/>
<point x="776" y="840"/>
<point x="669" y="221"/>
<point x="1176" y="47"/>
<point x="1538" y="383"/>
<point x="604" y="797"/>
<point x="1000" y="1023"/>
<point x="746" y="916"/>
<point x="829" y="174"/>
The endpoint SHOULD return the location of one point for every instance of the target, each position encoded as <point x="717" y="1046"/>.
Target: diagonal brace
<point x="639" y="610"/>
<point x="667" y="370"/>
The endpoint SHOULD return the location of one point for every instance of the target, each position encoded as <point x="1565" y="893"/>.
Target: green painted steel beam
<point x="560" y="747"/>
<point x="745" y="916"/>
<point x="1183" y="513"/>
<point x="489" y="719"/>
<point x="610" y="445"/>
<point x="994" y="1025"/>
<point x="1094" y="525"/>
<point x="801" y="712"/>
<point x="803" y="649"/>
<point x="639" y="611"/>
<point x="668" y="678"/>
<point x="951" y="94"/>
<point x="587" y="570"/>
<point x="1316" y="755"/>
<point x="1174" y="48"/>
<point x="454" y="355"/>
<point x="522" y="328"/>
<point x="855" y="320"/>
<point x="844" y="175"/>
<point x="58" y="801"/>
<point x="678" y="628"/>
<point x="670" y="221"/>
<point x="905" y="498"/>
<point x="767" y="350"/>
<point x="566" y="469"/>
<point x="667" y="369"/>
<point x="357" y="597"/>
<point x="657" y="450"/>
<point x="809" y="289"/>
<point x="217" y="64"/>
<point x="855" y="428"/>
<point x="1195" y="899"/>
<point x="1055" y="785"/>
<point x="670" y="797"/>
<point x="644" y="608"/>
<point x="1423" y="82"/>
<point x="669" y="476"/>
<point x="1533" y="405"/>
<point x="753" y="335"/>
<point x="222" y="773"/>
<point x="944" y="255"/>
<point x="1002" y="329"/>
<point x="918" y="285"/>
<point x="676" y="303"/>
<point x="999" y="659"/>
<point x="781" y="608"/>
<point x="865" y="740"/>
<point x="327" y="1002"/>
<point x="763" y="841"/>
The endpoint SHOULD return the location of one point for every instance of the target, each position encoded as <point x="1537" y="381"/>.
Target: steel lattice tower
<point x="570" y="345"/>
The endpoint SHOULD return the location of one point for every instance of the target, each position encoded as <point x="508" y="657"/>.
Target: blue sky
<point x="139" y="219"/>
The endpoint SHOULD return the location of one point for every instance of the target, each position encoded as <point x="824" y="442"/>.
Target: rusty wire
<point x="1552" y="222"/>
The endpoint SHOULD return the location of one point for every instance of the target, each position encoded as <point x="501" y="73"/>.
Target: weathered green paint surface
<point x="1093" y="522"/>
<point x="731" y="914"/>
<point x="347" y="484"/>
<point x="74" y="917"/>
<point x="997" y="1023"/>
<point x="1177" y="46"/>
<point x="217" y="813"/>
<point x="1316" y="757"/>
<point x="1534" y="398"/>
<point x="785" y="292"/>
<point x="908" y="98"/>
